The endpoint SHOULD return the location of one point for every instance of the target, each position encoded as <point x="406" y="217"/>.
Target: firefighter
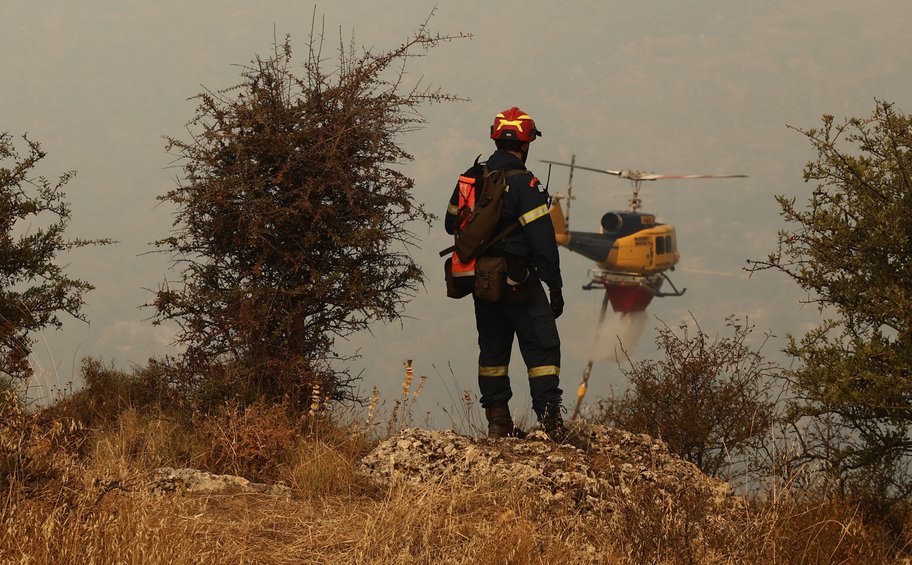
<point x="525" y="311"/>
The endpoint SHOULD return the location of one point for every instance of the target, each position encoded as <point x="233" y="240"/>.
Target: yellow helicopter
<point x="632" y="251"/>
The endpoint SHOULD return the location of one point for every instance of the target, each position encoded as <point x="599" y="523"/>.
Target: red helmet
<point x="514" y="124"/>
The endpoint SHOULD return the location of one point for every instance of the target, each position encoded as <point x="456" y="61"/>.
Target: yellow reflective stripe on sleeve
<point x="533" y="214"/>
<point x="544" y="371"/>
<point x="452" y="209"/>
<point x="498" y="371"/>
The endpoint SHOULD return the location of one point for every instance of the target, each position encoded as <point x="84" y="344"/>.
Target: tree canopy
<point x="293" y="215"/>
<point x="850" y="248"/>
<point x="34" y="287"/>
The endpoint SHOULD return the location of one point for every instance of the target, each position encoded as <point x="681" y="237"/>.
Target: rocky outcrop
<point x="166" y="479"/>
<point x="614" y="464"/>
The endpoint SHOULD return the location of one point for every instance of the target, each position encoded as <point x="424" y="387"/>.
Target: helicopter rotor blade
<point x="639" y="175"/>
<point x="574" y="165"/>
<point x="652" y="176"/>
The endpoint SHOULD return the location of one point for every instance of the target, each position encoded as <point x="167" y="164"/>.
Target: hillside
<point x="85" y="484"/>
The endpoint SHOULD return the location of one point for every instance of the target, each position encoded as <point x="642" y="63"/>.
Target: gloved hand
<point x="557" y="302"/>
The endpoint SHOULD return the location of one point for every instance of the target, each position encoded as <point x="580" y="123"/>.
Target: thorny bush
<point x="34" y="288"/>
<point x="292" y="220"/>
<point x="709" y="399"/>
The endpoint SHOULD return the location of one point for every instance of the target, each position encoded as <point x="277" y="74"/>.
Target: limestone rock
<point x="166" y="479"/>
<point x="615" y="464"/>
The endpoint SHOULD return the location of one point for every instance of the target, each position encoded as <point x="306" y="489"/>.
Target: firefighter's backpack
<point x="475" y="233"/>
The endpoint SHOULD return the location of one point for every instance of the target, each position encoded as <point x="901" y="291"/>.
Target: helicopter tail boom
<point x="557" y="220"/>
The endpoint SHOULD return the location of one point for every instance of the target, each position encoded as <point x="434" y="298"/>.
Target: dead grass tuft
<point x="808" y="529"/>
<point x="249" y="441"/>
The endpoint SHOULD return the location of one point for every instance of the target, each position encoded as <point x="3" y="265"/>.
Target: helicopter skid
<point x="630" y="292"/>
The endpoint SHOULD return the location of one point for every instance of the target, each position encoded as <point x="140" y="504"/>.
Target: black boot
<point x="553" y="425"/>
<point x="500" y="423"/>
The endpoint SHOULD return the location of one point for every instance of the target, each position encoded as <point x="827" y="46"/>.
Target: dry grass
<point x="404" y="525"/>
<point x="72" y="494"/>
<point x="433" y="524"/>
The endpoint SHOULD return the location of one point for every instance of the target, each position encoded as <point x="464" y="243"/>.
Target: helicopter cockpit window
<point x="612" y="222"/>
<point x="660" y="245"/>
<point x="669" y="244"/>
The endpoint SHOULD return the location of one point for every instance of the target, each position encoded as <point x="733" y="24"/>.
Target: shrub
<point x="34" y="289"/>
<point x="708" y="399"/>
<point x="292" y="221"/>
<point x="849" y="249"/>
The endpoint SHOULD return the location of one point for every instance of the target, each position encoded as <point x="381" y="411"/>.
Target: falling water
<point x="623" y="330"/>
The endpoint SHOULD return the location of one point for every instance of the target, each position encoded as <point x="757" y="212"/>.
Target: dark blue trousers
<point x="532" y="322"/>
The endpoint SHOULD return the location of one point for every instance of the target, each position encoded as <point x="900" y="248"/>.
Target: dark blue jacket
<point x="526" y="200"/>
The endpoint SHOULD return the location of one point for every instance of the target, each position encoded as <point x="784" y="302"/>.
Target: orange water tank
<point x="628" y="298"/>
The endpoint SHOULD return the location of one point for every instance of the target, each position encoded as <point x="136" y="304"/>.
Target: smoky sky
<point x="669" y="87"/>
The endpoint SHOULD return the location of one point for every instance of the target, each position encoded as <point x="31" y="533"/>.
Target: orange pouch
<point x="457" y="287"/>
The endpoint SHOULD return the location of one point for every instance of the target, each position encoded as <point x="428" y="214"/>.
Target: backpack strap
<point x="504" y="232"/>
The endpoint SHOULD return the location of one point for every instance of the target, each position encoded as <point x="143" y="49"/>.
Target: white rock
<point x="616" y="463"/>
<point x="167" y="479"/>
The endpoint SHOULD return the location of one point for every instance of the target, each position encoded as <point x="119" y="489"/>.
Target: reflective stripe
<point x="498" y="371"/>
<point x="452" y="209"/>
<point x="464" y="273"/>
<point x="515" y="123"/>
<point x="533" y="214"/>
<point x="544" y="371"/>
<point x="523" y="117"/>
<point x="467" y="180"/>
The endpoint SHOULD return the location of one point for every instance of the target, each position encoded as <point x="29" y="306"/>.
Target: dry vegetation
<point x="72" y="479"/>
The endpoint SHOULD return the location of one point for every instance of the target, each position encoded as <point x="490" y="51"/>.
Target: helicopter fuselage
<point x="632" y="251"/>
<point x="627" y="243"/>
